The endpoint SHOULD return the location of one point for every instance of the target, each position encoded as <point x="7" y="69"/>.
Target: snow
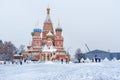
<point x="82" y="60"/>
<point x="48" y="49"/>
<point x="49" y="33"/>
<point x="49" y="62"/>
<point x="114" y="59"/>
<point x="106" y="59"/>
<point x="87" y="60"/>
<point x="57" y="71"/>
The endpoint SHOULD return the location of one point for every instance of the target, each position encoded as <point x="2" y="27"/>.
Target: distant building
<point x="47" y="43"/>
<point x="102" y="54"/>
<point x="115" y="55"/>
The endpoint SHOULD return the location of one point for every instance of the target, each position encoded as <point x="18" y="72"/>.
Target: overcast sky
<point x="92" y="22"/>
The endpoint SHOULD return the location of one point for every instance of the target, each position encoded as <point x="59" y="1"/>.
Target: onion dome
<point x="37" y="30"/>
<point x="49" y="35"/>
<point x="58" y="28"/>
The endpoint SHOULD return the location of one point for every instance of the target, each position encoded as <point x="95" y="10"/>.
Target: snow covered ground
<point x="56" y="71"/>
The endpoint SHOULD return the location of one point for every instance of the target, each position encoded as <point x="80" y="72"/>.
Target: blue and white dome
<point x="37" y="30"/>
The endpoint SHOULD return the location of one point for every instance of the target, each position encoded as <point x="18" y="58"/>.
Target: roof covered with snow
<point x="49" y="49"/>
<point x="49" y="34"/>
<point x="97" y="51"/>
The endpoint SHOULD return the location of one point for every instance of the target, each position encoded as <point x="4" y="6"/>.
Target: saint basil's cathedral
<point x="46" y="44"/>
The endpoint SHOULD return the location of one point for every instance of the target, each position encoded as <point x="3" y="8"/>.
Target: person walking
<point x="61" y="61"/>
<point x="20" y="62"/>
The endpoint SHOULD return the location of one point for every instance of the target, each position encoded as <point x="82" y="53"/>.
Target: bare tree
<point x="8" y="50"/>
<point x="1" y="51"/>
<point x="21" y="49"/>
<point x="1" y="48"/>
<point x="78" y="54"/>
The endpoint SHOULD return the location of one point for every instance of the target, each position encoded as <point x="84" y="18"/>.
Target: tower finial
<point x="37" y="23"/>
<point x="29" y="43"/>
<point x="48" y="6"/>
<point x="58" y="22"/>
<point x="48" y="9"/>
<point x="59" y="27"/>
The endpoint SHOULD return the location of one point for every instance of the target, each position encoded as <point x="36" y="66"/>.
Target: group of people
<point x="17" y="62"/>
<point x="11" y="62"/>
<point x="20" y="62"/>
<point x="66" y="61"/>
<point x="96" y="58"/>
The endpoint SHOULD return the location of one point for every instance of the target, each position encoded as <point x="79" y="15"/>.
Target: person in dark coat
<point x="62" y="61"/>
<point x="25" y="60"/>
<point x="20" y="62"/>
<point x="96" y="58"/>
<point x="4" y="62"/>
<point x="99" y="59"/>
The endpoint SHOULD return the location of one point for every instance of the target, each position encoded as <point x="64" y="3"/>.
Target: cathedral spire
<point x="48" y="10"/>
<point x="48" y="20"/>
<point x="58" y="22"/>
<point x="59" y="27"/>
<point x="37" y="23"/>
<point x="47" y="24"/>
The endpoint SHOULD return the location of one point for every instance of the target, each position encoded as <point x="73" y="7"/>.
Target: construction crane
<point x="87" y="47"/>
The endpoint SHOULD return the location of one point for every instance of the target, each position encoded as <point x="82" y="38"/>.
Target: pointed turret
<point x="47" y="24"/>
<point x="58" y="38"/>
<point x="48" y="10"/>
<point x="48" y="20"/>
<point x="58" y="28"/>
<point x="36" y="37"/>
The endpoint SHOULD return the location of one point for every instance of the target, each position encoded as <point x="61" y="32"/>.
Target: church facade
<point x="47" y="43"/>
